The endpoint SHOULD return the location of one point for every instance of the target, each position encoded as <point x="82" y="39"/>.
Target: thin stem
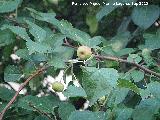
<point x="40" y="112"/>
<point x="39" y="71"/>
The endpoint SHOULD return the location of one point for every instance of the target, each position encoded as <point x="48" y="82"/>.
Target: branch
<point x="69" y="45"/>
<point x="132" y="63"/>
<point x="39" y="71"/>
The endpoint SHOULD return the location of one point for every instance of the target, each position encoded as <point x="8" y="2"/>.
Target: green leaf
<point x="137" y="75"/>
<point x="9" y="5"/>
<point x="134" y="58"/>
<point x="145" y="16"/>
<point x="45" y="103"/>
<point x="93" y="42"/>
<point x="92" y="22"/>
<point x="29" y="68"/>
<point x="108" y="74"/>
<point x="73" y="91"/>
<point x="146" y="53"/>
<point x="98" y="82"/>
<point x="152" y="42"/>
<point x="118" y="95"/>
<point x="35" y="83"/>
<point x="6" y="38"/>
<point x="124" y="25"/>
<point x="67" y="29"/>
<point x="57" y="61"/>
<point x="120" y="41"/>
<point x="41" y="117"/>
<point x="12" y="73"/>
<point x="125" y="51"/>
<point x="65" y="110"/>
<point x="23" y="53"/>
<point x="123" y="113"/>
<point x="106" y="9"/>
<point x="87" y="115"/>
<point x="146" y="109"/>
<point x="109" y="8"/>
<point x="18" y="31"/>
<point x="63" y="26"/>
<point x="55" y="41"/>
<point x="35" y="47"/>
<point x="36" y="31"/>
<point x="128" y="84"/>
<point x="6" y="94"/>
<point x="62" y="55"/>
<point x="152" y="90"/>
<point x="48" y="17"/>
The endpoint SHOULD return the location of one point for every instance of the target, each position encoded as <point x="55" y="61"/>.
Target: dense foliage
<point x="119" y="78"/>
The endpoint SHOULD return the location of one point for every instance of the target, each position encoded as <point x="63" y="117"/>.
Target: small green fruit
<point x="84" y="52"/>
<point x="57" y="86"/>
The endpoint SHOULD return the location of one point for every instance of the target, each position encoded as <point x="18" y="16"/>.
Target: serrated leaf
<point x="137" y="75"/>
<point x="152" y="90"/>
<point x="65" y="110"/>
<point x="6" y="94"/>
<point x="73" y="91"/>
<point x="128" y="84"/>
<point x="149" y="14"/>
<point x="6" y="38"/>
<point x="18" y="31"/>
<point x="93" y="42"/>
<point x="23" y="53"/>
<point x="61" y="55"/>
<point x="55" y="40"/>
<point x="118" y="95"/>
<point x="87" y="115"/>
<point x="12" y="73"/>
<point x="36" y="31"/>
<point x="43" y="16"/>
<point x="9" y="5"/>
<point x="146" y="109"/>
<point x="57" y="61"/>
<point x="45" y="103"/>
<point x="73" y="33"/>
<point x="123" y="113"/>
<point x="35" y="47"/>
<point x="109" y="74"/>
<point x="98" y="82"/>
<point x="63" y="26"/>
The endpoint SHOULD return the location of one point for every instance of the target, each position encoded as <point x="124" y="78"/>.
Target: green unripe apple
<point x="84" y="52"/>
<point x="57" y="86"/>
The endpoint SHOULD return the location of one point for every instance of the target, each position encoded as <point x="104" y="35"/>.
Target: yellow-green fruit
<point x="57" y="86"/>
<point x="84" y="52"/>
